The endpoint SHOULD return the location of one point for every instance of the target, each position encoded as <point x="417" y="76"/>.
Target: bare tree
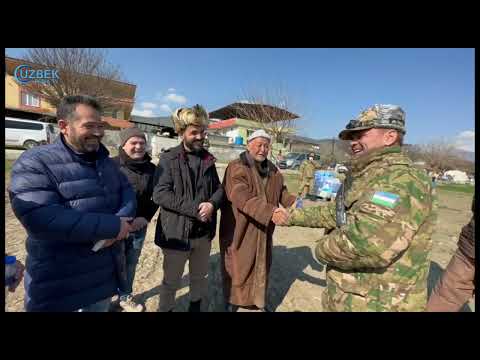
<point x="80" y="70"/>
<point x="438" y="155"/>
<point x="272" y="111"/>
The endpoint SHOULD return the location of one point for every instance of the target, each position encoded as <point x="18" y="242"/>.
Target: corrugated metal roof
<point x="239" y="110"/>
<point x="164" y="121"/>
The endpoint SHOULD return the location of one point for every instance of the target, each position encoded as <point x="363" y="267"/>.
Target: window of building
<point x="114" y="114"/>
<point x="29" y="99"/>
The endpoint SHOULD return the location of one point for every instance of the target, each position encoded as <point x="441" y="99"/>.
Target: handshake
<point x="280" y="216"/>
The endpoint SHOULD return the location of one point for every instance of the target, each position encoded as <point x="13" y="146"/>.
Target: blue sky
<point x="326" y="87"/>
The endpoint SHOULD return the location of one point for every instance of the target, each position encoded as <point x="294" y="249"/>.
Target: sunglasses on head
<point x="353" y="124"/>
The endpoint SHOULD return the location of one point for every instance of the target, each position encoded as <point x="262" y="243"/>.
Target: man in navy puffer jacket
<point x="69" y="195"/>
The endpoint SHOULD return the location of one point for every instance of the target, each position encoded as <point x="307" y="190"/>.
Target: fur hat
<point x="184" y="117"/>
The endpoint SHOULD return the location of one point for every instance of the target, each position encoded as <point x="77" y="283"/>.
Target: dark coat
<point x="140" y="174"/>
<point x="66" y="205"/>
<point x="246" y="230"/>
<point x="179" y="218"/>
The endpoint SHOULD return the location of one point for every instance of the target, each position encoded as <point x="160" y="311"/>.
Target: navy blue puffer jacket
<point x="67" y="204"/>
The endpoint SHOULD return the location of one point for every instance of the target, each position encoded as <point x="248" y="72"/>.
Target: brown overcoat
<point x="246" y="230"/>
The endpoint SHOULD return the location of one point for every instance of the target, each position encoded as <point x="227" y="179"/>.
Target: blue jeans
<point x="133" y="249"/>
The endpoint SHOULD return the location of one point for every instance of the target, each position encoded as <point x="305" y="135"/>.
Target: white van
<point x="27" y="133"/>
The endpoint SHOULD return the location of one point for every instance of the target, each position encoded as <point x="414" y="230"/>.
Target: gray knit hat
<point x="126" y="134"/>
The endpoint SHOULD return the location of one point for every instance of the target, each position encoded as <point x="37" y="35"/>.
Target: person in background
<point x="307" y="175"/>
<point x="136" y="164"/>
<point x="280" y="156"/>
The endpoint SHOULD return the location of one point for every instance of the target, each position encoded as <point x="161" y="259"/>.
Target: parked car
<point x="294" y="160"/>
<point x="27" y="133"/>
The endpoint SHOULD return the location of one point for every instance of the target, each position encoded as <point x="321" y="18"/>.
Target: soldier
<point x="307" y="172"/>
<point x="379" y="230"/>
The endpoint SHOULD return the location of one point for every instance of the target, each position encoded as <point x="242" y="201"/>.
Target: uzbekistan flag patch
<point x="385" y="199"/>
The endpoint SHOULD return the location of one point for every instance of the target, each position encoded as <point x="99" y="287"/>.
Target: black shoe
<point x="194" y="306"/>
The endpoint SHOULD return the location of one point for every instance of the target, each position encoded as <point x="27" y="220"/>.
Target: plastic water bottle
<point x="10" y="270"/>
<point x="299" y="204"/>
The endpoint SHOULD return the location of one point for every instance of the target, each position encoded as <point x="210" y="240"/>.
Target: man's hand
<point x="205" y="211"/>
<point x="18" y="276"/>
<point x="139" y="223"/>
<point x="280" y="216"/>
<point x="108" y="242"/>
<point x="125" y="228"/>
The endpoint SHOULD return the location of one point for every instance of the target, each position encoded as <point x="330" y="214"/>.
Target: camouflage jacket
<point x="307" y="174"/>
<point x="379" y="259"/>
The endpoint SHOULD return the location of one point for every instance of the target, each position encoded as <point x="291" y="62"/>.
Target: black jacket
<point x="179" y="220"/>
<point x="140" y="175"/>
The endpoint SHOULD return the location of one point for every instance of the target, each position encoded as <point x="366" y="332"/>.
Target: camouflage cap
<point x="376" y="116"/>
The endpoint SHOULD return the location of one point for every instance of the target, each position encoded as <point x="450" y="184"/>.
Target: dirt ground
<point x="296" y="279"/>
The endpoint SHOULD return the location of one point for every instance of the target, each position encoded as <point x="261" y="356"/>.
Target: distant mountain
<point x="466" y="155"/>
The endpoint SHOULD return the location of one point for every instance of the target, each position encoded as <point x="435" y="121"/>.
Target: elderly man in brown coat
<point x="254" y="190"/>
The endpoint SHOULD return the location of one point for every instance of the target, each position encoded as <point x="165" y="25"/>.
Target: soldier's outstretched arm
<point x="379" y="228"/>
<point x="315" y="217"/>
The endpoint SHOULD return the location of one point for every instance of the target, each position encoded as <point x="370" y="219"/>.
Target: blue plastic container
<point x="239" y="140"/>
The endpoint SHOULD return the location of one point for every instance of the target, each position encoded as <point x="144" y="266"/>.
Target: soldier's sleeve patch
<point x="386" y="199"/>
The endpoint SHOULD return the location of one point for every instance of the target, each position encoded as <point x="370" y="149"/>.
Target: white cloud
<point x="171" y="90"/>
<point x="145" y="112"/>
<point x="175" y="98"/>
<point x="165" y="108"/>
<point x="465" y="140"/>
<point x="148" y="105"/>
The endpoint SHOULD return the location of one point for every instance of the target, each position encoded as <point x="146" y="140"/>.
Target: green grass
<point x="8" y="167"/>
<point x="463" y="188"/>
<point x="291" y="180"/>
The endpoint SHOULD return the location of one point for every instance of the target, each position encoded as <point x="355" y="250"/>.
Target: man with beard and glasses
<point x="189" y="193"/>
<point x="379" y="231"/>
<point x="76" y="206"/>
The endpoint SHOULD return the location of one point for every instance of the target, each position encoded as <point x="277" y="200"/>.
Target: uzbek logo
<point x="24" y="74"/>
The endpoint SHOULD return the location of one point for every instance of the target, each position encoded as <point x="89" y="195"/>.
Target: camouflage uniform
<point x="378" y="258"/>
<point x="307" y="174"/>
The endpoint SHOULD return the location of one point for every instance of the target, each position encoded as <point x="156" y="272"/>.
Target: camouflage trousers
<point x="334" y="299"/>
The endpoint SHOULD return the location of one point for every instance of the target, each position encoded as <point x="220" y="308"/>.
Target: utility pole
<point x="333" y="149"/>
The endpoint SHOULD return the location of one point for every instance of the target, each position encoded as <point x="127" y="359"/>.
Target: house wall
<point x="13" y="97"/>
